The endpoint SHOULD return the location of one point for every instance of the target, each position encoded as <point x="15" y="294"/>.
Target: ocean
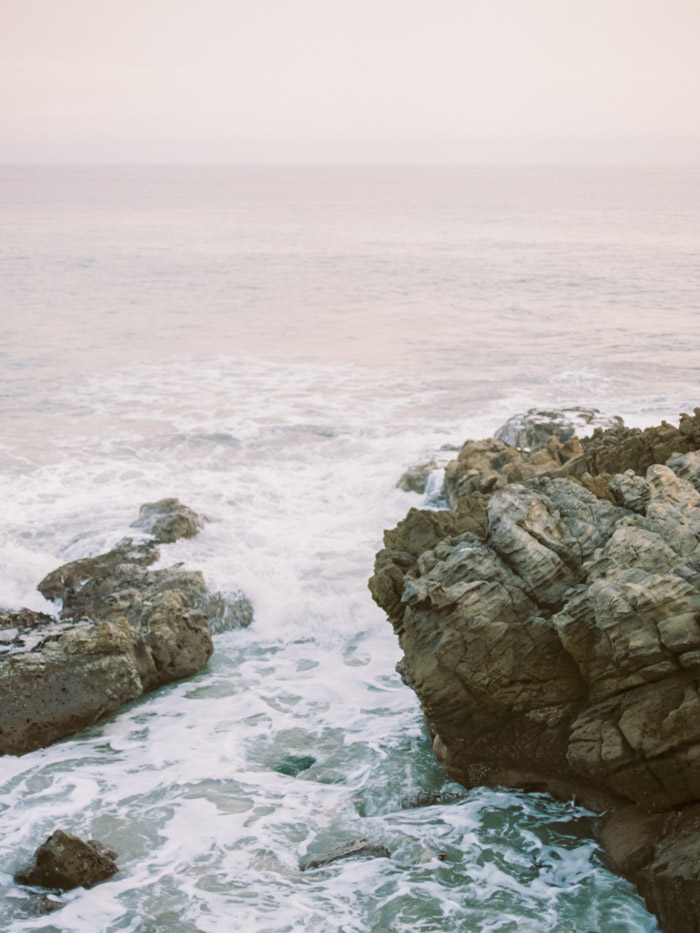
<point x="275" y="346"/>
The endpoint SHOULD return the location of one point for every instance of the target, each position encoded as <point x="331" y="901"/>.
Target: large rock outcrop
<point x="550" y="627"/>
<point x="123" y="629"/>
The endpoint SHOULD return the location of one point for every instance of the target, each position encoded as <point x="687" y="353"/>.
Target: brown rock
<point x="123" y="629"/>
<point x="167" y="520"/>
<point x="64" y="862"/>
<point x="559" y="648"/>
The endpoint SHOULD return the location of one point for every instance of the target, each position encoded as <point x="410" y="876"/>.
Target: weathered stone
<point x="168" y="520"/>
<point x="64" y="862"/>
<point x="123" y="629"/>
<point x="557" y="647"/>
<point x="533" y="429"/>
<point x="359" y="848"/>
<point x="620" y="449"/>
<point x="70" y="681"/>
<point x="416" y="477"/>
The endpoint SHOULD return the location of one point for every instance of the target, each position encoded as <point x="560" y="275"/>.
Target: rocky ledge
<point x="550" y="626"/>
<point x="123" y="629"/>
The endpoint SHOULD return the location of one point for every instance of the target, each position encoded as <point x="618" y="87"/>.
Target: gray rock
<point x="358" y="848"/>
<point x="533" y="429"/>
<point x="65" y="862"/>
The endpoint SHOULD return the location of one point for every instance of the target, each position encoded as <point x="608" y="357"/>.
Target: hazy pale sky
<point x="339" y="80"/>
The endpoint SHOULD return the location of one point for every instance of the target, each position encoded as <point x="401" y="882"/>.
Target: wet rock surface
<point x="65" y="862"/>
<point x="358" y="848"/>
<point x="123" y="629"/>
<point x="167" y="520"/>
<point x="534" y="428"/>
<point x="550" y="627"/>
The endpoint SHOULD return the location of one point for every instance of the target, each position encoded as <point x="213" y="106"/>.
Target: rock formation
<point x="65" y="862"/>
<point x="358" y="848"/>
<point x="123" y="629"/>
<point x="532" y="430"/>
<point x="168" y="520"/>
<point x="550" y="627"/>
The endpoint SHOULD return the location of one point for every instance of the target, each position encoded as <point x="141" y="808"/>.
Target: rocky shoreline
<point x="123" y="629"/>
<point x="549" y="621"/>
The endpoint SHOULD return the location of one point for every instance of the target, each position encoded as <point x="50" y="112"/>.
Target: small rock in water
<point x="294" y="764"/>
<point x="64" y="862"/>
<point x="431" y="799"/>
<point x="168" y="520"/>
<point x="359" y="848"/>
<point x="415" y="478"/>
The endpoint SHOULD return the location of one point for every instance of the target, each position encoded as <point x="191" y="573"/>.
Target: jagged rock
<point x="65" y="862"/>
<point x="482" y="467"/>
<point x="162" y="606"/>
<point x="168" y="520"/>
<point x="359" y="848"/>
<point x="415" y="478"/>
<point x="123" y="629"/>
<point x="533" y="429"/>
<point x="622" y="449"/>
<point x="558" y="646"/>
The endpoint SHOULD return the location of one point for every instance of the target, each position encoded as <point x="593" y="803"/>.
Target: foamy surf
<point x="299" y="735"/>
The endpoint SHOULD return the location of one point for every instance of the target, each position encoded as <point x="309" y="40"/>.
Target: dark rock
<point x="64" y="862"/>
<point x="24" y="619"/>
<point x="659" y="852"/>
<point x="292" y="765"/>
<point x="168" y="520"/>
<point x="359" y="848"/>
<point x="431" y="799"/>
<point x="557" y="647"/>
<point x="533" y="429"/>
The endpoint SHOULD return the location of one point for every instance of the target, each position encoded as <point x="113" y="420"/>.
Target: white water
<point x="275" y="347"/>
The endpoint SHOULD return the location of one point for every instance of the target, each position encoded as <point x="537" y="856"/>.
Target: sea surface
<point x="275" y="346"/>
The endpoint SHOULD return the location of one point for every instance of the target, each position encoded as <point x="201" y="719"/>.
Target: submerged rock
<point x="555" y="643"/>
<point x="65" y="862"/>
<point x="123" y="629"/>
<point x="358" y="848"/>
<point x="291" y="765"/>
<point x="431" y="799"/>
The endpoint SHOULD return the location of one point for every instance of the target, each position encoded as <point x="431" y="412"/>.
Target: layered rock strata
<point x="123" y="629"/>
<point x="550" y="626"/>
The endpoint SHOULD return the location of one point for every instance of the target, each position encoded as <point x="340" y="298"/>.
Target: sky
<point x="349" y="80"/>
